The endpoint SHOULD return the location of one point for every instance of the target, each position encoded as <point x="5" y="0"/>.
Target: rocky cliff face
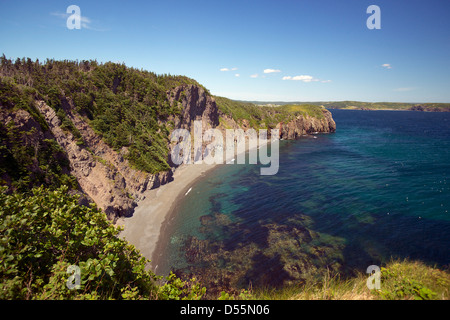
<point x="196" y="105"/>
<point x="102" y="173"/>
<point x="96" y="179"/>
<point x="105" y="175"/>
<point x="307" y="125"/>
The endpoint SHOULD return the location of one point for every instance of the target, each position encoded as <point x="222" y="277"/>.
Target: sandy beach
<point x="143" y="229"/>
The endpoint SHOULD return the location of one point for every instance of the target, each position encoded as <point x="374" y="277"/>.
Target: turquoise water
<point x="377" y="188"/>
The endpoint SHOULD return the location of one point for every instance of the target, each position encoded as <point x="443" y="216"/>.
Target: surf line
<point x="188" y="191"/>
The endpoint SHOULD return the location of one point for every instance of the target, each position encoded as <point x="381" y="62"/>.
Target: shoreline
<point x="145" y="229"/>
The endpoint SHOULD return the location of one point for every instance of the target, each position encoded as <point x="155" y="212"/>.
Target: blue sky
<point x="303" y="50"/>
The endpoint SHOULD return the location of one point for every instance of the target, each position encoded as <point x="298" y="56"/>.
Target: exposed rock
<point x="196" y="105"/>
<point x="93" y="176"/>
<point x="428" y="108"/>
<point x="417" y="108"/>
<point x="307" y="125"/>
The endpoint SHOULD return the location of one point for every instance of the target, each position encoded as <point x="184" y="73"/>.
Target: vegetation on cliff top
<point x="399" y="280"/>
<point x="265" y="116"/>
<point x="125" y="106"/>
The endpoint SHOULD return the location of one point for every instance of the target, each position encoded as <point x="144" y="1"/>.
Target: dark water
<point x="377" y="188"/>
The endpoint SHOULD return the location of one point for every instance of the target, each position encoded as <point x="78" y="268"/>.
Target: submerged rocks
<point x="232" y="255"/>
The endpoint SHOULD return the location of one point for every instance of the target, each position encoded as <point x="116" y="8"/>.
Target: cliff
<point x="304" y="125"/>
<point x="102" y="173"/>
<point x="293" y="121"/>
<point x="106" y="129"/>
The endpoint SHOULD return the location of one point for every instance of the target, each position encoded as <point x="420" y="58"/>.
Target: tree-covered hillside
<point x="125" y="106"/>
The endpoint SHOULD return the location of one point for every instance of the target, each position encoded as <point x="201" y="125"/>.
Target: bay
<point x="376" y="189"/>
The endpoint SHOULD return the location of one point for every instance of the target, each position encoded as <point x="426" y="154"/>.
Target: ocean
<point x="376" y="189"/>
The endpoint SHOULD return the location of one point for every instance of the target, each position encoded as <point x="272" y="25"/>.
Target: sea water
<point x="378" y="188"/>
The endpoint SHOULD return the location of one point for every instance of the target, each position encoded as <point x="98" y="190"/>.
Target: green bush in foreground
<point x="43" y="234"/>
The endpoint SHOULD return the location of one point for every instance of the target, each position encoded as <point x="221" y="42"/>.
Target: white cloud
<point x="304" y="78"/>
<point x="271" y="71"/>
<point x="237" y="75"/>
<point x="229" y="69"/>
<point x="254" y="76"/>
<point x="387" y="66"/>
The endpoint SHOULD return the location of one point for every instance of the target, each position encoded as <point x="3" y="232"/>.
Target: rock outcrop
<point x="307" y="125"/>
<point x="96" y="178"/>
<point x="196" y="105"/>
<point x="428" y="108"/>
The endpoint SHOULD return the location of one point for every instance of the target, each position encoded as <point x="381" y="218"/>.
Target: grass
<point x="400" y="280"/>
<point x="303" y="109"/>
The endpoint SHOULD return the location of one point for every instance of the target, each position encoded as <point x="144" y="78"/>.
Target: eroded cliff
<point x="104" y="174"/>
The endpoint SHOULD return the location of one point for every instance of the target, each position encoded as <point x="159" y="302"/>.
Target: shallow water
<point x="377" y="188"/>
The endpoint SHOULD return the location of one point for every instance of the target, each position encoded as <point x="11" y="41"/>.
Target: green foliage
<point x="177" y="289"/>
<point x="67" y="125"/>
<point x="41" y="235"/>
<point x="303" y="109"/>
<point x="397" y="285"/>
<point x="14" y="97"/>
<point x="265" y="116"/>
<point x="26" y="161"/>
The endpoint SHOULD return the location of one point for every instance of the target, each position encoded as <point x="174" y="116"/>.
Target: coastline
<point x="145" y="229"/>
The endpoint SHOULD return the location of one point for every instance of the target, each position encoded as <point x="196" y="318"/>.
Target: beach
<point x="144" y="229"/>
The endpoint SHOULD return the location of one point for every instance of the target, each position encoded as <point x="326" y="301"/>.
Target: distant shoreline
<point x="386" y="109"/>
<point x="361" y="105"/>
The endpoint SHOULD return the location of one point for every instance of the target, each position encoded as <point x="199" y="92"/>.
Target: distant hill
<point x="360" y="105"/>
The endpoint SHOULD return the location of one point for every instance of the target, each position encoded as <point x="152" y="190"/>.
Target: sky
<point x="256" y="50"/>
